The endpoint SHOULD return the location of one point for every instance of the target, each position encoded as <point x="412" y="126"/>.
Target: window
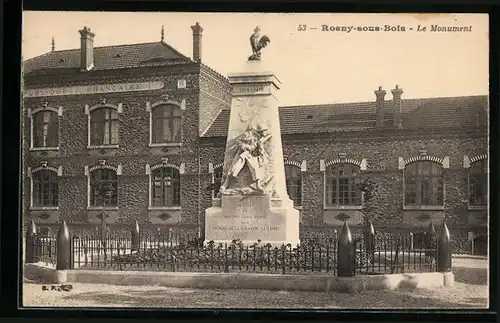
<point x="103" y="187"/>
<point x="217" y="180"/>
<point x="165" y="187"/>
<point x="45" y="189"/>
<point x="478" y="185"/>
<point x="45" y="129"/>
<point x="166" y="124"/>
<point x="104" y="127"/>
<point x="423" y="184"/>
<point x="342" y="187"/>
<point x="293" y="180"/>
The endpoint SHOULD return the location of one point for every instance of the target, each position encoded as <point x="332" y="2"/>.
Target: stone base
<point x="250" y="218"/>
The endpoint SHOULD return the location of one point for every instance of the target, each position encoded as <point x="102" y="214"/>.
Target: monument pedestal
<point x="252" y="218"/>
<point x="254" y="204"/>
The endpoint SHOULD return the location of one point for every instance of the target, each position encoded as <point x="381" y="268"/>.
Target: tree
<point x="370" y="190"/>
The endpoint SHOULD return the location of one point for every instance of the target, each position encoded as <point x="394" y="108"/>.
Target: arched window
<point x="166" y="124"/>
<point x="217" y="180"/>
<point x="45" y="188"/>
<point x="293" y="180"/>
<point x="423" y="184"/>
<point x="342" y="187"/>
<point x="165" y="187"/>
<point x="103" y="187"/>
<point x="478" y="183"/>
<point x="45" y="129"/>
<point x="104" y="127"/>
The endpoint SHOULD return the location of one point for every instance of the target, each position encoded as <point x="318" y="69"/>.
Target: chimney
<point x="380" y="94"/>
<point x="397" y="107"/>
<point x="197" y="31"/>
<point x="86" y="49"/>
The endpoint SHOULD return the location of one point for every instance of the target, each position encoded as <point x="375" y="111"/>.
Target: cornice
<point x="325" y="138"/>
<point x="133" y="74"/>
<point x="213" y="73"/>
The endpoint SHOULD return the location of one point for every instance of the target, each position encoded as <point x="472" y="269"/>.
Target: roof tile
<point x="428" y="113"/>
<point x="107" y="57"/>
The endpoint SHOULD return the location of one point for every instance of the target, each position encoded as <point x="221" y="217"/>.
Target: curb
<point x="465" y="256"/>
<point x="311" y="283"/>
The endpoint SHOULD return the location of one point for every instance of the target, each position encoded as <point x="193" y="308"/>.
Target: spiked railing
<point x="346" y="254"/>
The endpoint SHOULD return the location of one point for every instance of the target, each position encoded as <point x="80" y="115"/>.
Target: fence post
<point x="31" y="233"/>
<point x="346" y="253"/>
<point x="444" y="249"/>
<point x="369" y="236"/>
<point x="104" y="232"/>
<point x="430" y="236"/>
<point x="135" y="237"/>
<point x="64" y="250"/>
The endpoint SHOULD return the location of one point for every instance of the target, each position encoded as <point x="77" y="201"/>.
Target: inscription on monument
<point x="248" y="219"/>
<point x="251" y="89"/>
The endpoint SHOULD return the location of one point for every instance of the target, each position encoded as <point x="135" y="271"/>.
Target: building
<point x="137" y="132"/>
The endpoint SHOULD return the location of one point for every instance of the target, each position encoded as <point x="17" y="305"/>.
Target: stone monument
<point x="253" y="203"/>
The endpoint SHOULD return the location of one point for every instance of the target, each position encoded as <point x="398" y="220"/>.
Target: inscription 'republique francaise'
<point x="94" y="89"/>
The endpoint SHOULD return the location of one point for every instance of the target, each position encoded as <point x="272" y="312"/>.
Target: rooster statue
<point x="257" y="44"/>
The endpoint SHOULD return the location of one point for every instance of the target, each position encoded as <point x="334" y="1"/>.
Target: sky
<point x="314" y="66"/>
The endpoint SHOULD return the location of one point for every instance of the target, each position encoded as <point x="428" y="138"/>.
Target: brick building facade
<point x="137" y="132"/>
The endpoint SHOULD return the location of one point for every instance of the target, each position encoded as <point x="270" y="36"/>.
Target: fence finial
<point x="369" y="236"/>
<point x="32" y="228"/>
<point x="431" y="229"/>
<point x="345" y="234"/>
<point x="31" y="232"/>
<point x="64" y="250"/>
<point x="369" y="228"/>
<point x="135" y="237"/>
<point x="346" y="257"/>
<point x="444" y="232"/>
<point x="444" y="249"/>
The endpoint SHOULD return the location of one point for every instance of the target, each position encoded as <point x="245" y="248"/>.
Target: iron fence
<point x="395" y="254"/>
<point x="369" y="253"/>
<point x="158" y="253"/>
<point x="44" y="249"/>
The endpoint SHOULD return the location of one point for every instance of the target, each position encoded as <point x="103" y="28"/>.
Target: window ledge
<point x="477" y="207"/>
<point x="44" y="149"/>
<point x="165" y="144"/>
<point x="164" y="208"/>
<point x="102" y="208"/>
<point x="44" y="208"/>
<point x="345" y="207"/>
<point x="103" y="147"/>
<point x="423" y="208"/>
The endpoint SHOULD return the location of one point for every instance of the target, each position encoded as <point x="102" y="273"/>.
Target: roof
<point x="429" y="113"/>
<point x="108" y="57"/>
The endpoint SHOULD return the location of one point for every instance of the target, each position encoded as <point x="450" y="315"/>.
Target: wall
<point x="211" y="92"/>
<point x="382" y="156"/>
<point x="133" y="153"/>
<point x="215" y="95"/>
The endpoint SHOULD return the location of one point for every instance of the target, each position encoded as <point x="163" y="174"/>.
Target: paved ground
<point x="470" y="291"/>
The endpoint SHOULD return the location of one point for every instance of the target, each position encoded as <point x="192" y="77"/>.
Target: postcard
<point x="255" y="160"/>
